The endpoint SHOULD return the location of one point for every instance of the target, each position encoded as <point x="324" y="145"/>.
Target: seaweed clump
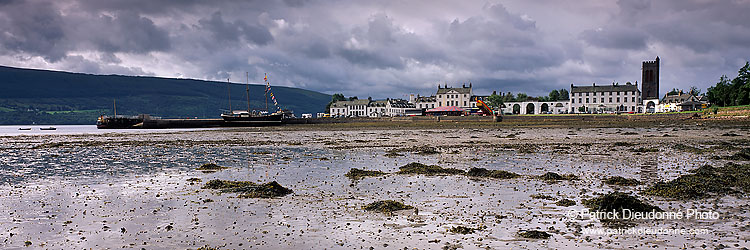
<point x="742" y="155"/>
<point x="565" y="203"/>
<point x="704" y="182"/>
<point x="222" y="184"/>
<point x="356" y="174"/>
<point x="248" y="189"/>
<point x="621" y="181"/>
<point x="497" y="174"/>
<point x="419" y="168"/>
<point x="387" y="206"/>
<point x="534" y="234"/>
<point x="211" y="167"/>
<point x="462" y="230"/>
<point x="615" y="203"/>
<point x="552" y="176"/>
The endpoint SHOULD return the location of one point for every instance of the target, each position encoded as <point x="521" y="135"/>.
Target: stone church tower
<point x="650" y="80"/>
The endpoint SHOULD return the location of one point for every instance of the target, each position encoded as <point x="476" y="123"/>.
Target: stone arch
<point x="545" y="107"/>
<point x="516" y="109"/>
<point x="529" y="108"/>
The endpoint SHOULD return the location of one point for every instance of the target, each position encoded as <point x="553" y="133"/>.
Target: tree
<point x="521" y="97"/>
<point x="564" y="95"/>
<point x="554" y="95"/>
<point x="732" y="92"/>
<point x="695" y="91"/>
<point x="509" y="97"/>
<point x="741" y="85"/>
<point x="673" y="92"/>
<point x="352" y="98"/>
<point x="495" y="101"/>
<point x="335" y="98"/>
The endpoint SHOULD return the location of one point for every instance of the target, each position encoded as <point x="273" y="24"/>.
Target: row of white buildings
<point x="462" y="97"/>
<point x="370" y="108"/>
<point x="608" y="98"/>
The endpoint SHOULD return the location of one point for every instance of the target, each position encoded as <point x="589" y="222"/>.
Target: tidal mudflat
<point x="483" y="187"/>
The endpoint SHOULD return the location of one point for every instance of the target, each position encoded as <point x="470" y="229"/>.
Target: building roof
<point x="463" y="90"/>
<point x="604" y="88"/>
<point x="381" y="103"/>
<point x="400" y="103"/>
<point x="679" y="98"/>
<point x="426" y="99"/>
<point x="343" y="104"/>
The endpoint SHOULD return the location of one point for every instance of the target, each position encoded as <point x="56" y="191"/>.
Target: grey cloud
<point x="383" y="48"/>
<point x="35" y="29"/>
<point x="123" y="32"/>
<point x="616" y="38"/>
<point x="224" y="31"/>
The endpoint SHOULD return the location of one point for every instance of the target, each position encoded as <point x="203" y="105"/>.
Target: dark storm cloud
<point x="32" y="28"/>
<point x="382" y="48"/>
<point x="616" y="38"/>
<point x="121" y="32"/>
<point x="224" y="31"/>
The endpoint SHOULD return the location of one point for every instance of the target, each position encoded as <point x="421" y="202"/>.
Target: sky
<point x="389" y="48"/>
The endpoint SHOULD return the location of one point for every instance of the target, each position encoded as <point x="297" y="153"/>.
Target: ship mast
<point x="247" y="89"/>
<point x="114" y="103"/>
<point x="229" y="93"/>
<point x="266" y="95"/>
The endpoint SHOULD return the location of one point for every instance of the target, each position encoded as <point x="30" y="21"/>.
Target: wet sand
<point x="133" y="191"/>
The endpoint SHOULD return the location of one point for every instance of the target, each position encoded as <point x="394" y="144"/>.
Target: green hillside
<point x="49" y="97"/>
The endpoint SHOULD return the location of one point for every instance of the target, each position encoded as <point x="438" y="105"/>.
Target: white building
<point x="605" y="98"/>
<point x="399" y="107"/>
<point x="459" y="97"/>
<point x="681" y="102"/>
<point x="355" y="108"/>
<point x="377" y="108"/>
<point x="423" y="102"/>
<point x="369" y="108"/>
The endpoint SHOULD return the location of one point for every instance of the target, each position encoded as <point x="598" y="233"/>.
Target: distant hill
<point x="49" y="97"/>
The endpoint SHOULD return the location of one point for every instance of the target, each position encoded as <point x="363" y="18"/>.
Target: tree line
<point x="732" y="92"/>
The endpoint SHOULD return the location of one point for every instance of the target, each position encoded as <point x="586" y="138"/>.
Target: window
<point x="633" y="92"/>
<point x="618" y="93"/>
<point x="610" y="99"/>
<point x="587" y="100"/>
<point x="594" y="94"/>
<point x="632" y="108"/>
<point x="618" y="99"/>
<point x="587" y="93"/>
<point x="593" y="100"/>
<point x="610" y="93"/>
<point x="602" y="99"/>
<point x="579" y="100"/>
<point x="633" y="99"/>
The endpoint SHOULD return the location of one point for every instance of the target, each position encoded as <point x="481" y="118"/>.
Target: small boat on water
<point x="24" y="128"/>
<point x="48" y="128"/>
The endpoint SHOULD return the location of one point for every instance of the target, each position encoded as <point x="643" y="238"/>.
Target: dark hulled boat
<point x="254" y="117"/>
<point x="119" y="122"/>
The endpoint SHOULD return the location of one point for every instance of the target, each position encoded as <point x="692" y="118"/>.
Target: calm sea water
<point x="13" y="130"/>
